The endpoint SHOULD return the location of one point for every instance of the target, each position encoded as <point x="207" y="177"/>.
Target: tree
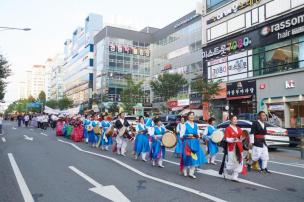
<point x="52" y="104"/>
<point x="168" y="85"/>
<point x="42" y="97"/>
<point x="114" y="108"/>
<point x="208" y="88"/>
<point x="65" y="103"/>
<point x="132" y="94"/>
<point x="5" y="72"/>
<point x="31" y="99"/>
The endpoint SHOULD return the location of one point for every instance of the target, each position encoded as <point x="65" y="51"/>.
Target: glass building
<point x="176" y="48"/>
<point x="78" y="64"/>
<point x="120" y="53"/>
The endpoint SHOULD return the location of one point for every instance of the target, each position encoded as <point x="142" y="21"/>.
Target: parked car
<point x="132" y="120"/>
<point x="273" y="132"/>
<point x="295" y="135"/>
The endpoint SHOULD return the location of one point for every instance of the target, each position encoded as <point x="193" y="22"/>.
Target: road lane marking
<point x="27" y="196"/>
<point x="280" y="163"/>
<point x="187" y="189"/>
<point x="14" y="128"/>
<point x="110" y="191"/>
<point x="28" y="138"/>
<point x="290" y="175"/>
<point x="44" y="134"/>
<point x="216" y="174"/>
<point x="274" y="162"/>
<point x="3" y="139"/>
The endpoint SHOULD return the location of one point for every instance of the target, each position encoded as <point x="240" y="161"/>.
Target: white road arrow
<point x="110" y="192"/>
<point x="28" y="138"/>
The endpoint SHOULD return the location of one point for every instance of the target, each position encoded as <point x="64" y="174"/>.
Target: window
<point x="213" y="4"/>
<point x="282" y="56"/>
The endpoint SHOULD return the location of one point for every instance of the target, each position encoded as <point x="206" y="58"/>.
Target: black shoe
<point x="267" y="171"/>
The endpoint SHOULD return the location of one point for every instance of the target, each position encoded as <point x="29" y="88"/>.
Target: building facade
<point x="248" y="43"/>
<point x="120" y="53"/>
<point x="35" y="80"/>
<point x="55" y="82"/>
<point x="176" y="48"/>
<point x="78" y="67"/>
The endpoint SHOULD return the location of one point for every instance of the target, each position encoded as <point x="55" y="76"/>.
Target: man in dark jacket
<point x="260" y="149"/>
<point x="121" y="124"/>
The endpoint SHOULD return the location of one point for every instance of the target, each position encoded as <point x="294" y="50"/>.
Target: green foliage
<point x="65" y="103"/>
<point x="4" y="73"/>
<point x="168" y="85"/>
<point x="208" y="88"/>
<point x="52" y="104"/>
<point x="132" y="94"/>
<point x="114" y="108"/>
<point x="42" y="97"/>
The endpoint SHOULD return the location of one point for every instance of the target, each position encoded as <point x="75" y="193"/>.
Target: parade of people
<point x="99" y="130"/>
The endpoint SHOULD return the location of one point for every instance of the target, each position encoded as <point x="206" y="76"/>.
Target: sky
<point x="53" y="21"/>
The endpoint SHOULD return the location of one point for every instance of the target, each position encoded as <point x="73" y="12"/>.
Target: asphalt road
<point x="56" y="169"/>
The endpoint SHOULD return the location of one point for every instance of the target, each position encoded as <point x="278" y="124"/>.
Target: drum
<point x="110" y="131"/>
<point x="217" y="136"/>
<point x="169" y="139"/>
<point x="89" y="128"/>
<point x="122" y="131"/>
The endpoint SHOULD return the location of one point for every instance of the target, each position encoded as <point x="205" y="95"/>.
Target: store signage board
<point x="284" y="29"/>
<point x="129" y="50"/>
<point x="241" y="88"/>
<point x="233" y="9"/>
<point x="290" y="84"/>
<point x="239" y="43"/>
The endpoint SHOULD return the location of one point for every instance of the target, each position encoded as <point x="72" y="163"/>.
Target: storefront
<point x="241" y="96"/>
<point x="272" y="48"/>
<point x="282" y="98"/>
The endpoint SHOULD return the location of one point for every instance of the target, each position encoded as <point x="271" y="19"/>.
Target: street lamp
<point x="14" y="28"/>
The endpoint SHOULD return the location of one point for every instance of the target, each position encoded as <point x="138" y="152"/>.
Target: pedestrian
<point x="19" y="119"/>
<point x="181" y="127"/>
<point x="211" y="146"/>
<point x="192" y="153"/>
<point x="157" y="149"/>
<point x="122" y="141"/>
<point x="141" y="145"/>
<point x="45" y="121"/>
<point x="233" y="135"/>
<point x="260" y="149"/>
<point x="1" y="120"/>
<point x="26" y="120"/>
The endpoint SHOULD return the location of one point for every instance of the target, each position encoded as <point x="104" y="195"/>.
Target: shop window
<point x="279" y="57"/>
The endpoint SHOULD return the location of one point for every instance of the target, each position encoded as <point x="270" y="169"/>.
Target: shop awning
<point x="239" y="97"/>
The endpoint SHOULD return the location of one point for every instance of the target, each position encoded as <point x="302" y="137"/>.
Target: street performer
<point x="192" y="153"/>
<point x="141" y="145"/>
<point x="233" y="135"/>
<point x="260" y="150"/>
<point x="122" y="141"/>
